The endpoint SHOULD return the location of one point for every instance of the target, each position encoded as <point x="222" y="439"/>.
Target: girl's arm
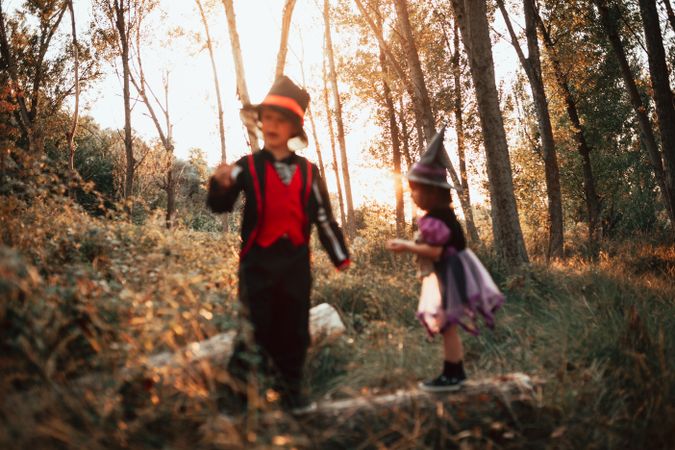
<point x="432" y="252"/>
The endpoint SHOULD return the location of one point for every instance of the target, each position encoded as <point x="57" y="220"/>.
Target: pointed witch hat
<point x="287" y="98"/>
<point x="433" y="166"/>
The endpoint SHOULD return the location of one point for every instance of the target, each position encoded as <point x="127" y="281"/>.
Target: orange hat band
<point x="284" y="102"/>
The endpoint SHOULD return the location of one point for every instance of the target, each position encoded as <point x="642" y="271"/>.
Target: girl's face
<point x="428" y="197"/>
<point x="419" y="197"/>
<point x="277" y="129"/>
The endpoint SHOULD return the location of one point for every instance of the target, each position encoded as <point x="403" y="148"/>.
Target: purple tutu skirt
<point x="460" y="292"/>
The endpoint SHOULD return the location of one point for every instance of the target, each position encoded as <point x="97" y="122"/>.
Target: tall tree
<point x="415" y="67"/>
<point x="609" y="16"/>
<point x="331" y="134"/>
<point x="415" y="83"/>
<point x="283" y="43"/>
<point x="70" y="135"/>
<point x="165" y="131"/>
<point x="216" y="82"/>
<point x="351" y="225"/>
<point x="508" y="237"/>
<point x="584" y="149"/>
<point x="27" y="89"/>
<point x="458" y="110"/>
<point x="242" y="90"/>
<point x="532" y="66"/>
<point x="121" y="15"/>
<point x="395" y="145"/>
<point x="662" y="94"/>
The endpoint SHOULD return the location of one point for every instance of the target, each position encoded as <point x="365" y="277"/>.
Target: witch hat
<point x="287" y="98"/>
<point x="433" y="164"/>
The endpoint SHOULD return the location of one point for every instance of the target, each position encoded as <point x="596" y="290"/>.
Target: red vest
<point x="284" y="213"/>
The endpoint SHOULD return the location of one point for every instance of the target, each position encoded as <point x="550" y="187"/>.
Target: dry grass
<point x="83" y="296"/>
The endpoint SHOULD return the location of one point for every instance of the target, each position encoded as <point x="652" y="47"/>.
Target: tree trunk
<point x="216" y="82"/>
<point x="351" y="226"/>
<point x="283" y="45"/>
<point x="663" y="96"/>
<point x="608" y="18"/>
<point x="310" y="114"/>
<point x="219" y="100"/>
<point x="464" y="196"/>
<point x="508" y="237"/>
<point x="122" y="31"/>
<point x="590" y="192"/>
<point x="415" y="66"/>
<point x="331" y="133"/>
<point x="396" y="146"/>
<point x="669" y="11"/>
<point x="532" y="66"/>
<point x="242" y="90"/>
<point x="417" y="77"/>
<point x="322" y="170"/>
<point x="406" y="153"/>
<point x="73" y="127"/>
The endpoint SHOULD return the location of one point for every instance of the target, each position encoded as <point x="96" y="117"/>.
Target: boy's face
<point x="277" y="129"/>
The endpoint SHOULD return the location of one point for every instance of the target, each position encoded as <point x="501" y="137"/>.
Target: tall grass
<point x="86" y="297"/>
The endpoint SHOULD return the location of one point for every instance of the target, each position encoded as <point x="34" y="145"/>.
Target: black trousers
<point x="274" y="288"/>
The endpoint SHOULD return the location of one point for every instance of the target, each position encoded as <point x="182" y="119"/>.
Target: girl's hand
<point x="398" y="245"/>
<point x="223" y="175"/>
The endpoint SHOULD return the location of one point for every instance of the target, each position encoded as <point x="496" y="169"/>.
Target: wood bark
<point x="331" y="133"/>
<point x="219" y="99"/>
<point x="242" y="90"/>
<point x="608" y="18"/>
<point x="122" y="28"/>
<point x="590" y="191"/>
<point x="508" y="237"/>
<point x="671" y="15"/>
<point x="458" y="112"/>
<point x="532" y="66"/>
<point x="395" y="145"/>
<point x="310" y="114"/>
<point x="415" y="67"/>
<point x="70" y="136"/>
<point x="662" y="94"/>
<point x="216" y="82"/>
<point x="351" y="226"/>
<point x="406" y="136"/>
<point x="283" y="45"/>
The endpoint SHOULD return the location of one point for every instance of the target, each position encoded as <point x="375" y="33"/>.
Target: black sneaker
<point x="442" y="383"/>
<point x="297" y="403"/>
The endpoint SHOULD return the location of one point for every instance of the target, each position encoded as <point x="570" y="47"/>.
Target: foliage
<point x="84" y="301"/>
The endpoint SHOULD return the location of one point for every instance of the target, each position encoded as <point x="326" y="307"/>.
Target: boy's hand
<point x="223" y="175"/>
<point x="397" y="245"/>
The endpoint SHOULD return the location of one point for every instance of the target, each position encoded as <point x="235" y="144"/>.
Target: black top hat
<point x="433" y="164"/>
<point x="287" y="98"/>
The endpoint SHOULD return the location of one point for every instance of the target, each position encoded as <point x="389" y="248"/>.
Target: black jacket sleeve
<point x="219" y="199"/>
<point x="330" y="234"/>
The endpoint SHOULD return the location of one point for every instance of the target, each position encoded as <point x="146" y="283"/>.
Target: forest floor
<point x="93" y="298"/>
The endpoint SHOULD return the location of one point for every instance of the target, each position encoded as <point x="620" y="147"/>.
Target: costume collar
<point x="290" y="159"/>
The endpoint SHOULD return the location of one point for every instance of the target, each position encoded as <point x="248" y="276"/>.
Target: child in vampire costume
<point x="284" y="196"/>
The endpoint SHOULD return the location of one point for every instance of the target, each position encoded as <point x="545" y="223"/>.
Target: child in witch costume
<point x="456" y="288"/>
<point x="284" y="196"/>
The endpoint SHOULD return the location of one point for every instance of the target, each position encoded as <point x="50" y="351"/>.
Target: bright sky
<point x="192" y="95"/>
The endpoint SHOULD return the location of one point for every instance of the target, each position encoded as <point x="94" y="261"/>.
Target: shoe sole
<point x="305" y="409"/>
<point x="453" y="388"/>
